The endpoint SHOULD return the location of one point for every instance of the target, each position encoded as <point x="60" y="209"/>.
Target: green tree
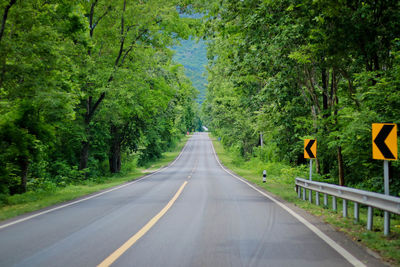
<point x="38" y="93"/>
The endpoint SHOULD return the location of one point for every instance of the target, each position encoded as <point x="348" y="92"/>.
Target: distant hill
<point x="193" y="56"/>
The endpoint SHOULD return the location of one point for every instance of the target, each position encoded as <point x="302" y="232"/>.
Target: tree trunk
<point x="115" y="150"/>
<point x="24" y="165"/>
<point x="326" y="114"/>
<point x="84" y="155"/>
<point x="90" y="110"/>
<point x="335" y="104"/>
<point x="324" y="93"/>
<point x="115" y="159"/>
<point x="340" y="165"/>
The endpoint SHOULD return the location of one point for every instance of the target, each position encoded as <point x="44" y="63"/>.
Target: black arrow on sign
<point x="308" y="148"/>
<point x="380" y="141"/>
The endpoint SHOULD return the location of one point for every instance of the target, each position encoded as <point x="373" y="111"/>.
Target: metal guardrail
<point x="372" y="200"/>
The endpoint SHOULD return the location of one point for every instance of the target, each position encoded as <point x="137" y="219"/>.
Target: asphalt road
<point x="193" y="213"/>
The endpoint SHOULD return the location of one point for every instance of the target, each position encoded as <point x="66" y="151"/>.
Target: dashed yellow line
<point x="193" y="170"/>
<point x="116" y="254"/>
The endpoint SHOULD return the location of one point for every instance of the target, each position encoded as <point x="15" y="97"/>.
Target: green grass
<point x="280" y="182"/>
<point x="32" y="201"/>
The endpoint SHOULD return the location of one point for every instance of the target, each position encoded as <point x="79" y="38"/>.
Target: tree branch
<point x="351" y="86"/>
<point x="101" y="17"/>
<point x="5" y="14"/>
<point x="121" y="48"/>
<point x="91" y="15"/>
<point x="88" y="107"/>
<point x="144" y="31"/>
<point x="92" y="25"/>
<point x="95" y="106"/>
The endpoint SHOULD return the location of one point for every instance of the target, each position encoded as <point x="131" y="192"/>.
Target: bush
<point x="266" y="153"/>
<point x="3" y="199"/>
<point x="66" y="174"/>
<point x="41" y="185"/>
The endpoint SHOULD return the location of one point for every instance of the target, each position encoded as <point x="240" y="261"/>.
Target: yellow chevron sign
<point x="384" y="141"/>
<point x="310" y="148"/>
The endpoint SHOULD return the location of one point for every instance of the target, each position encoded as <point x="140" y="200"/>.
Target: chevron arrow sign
<point x="310" y="148"/>
<point x="384" y="141"/>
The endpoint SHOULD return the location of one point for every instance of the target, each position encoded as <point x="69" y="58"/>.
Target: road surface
<point x="193" y="213"/>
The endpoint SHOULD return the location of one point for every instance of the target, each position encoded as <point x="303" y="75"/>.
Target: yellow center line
<point x="116" y="254"/>
<point x="194" y="168"/>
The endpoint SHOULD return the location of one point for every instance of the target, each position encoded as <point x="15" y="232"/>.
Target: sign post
<point x="310" y="152"/>
<point x="386" y="219"/>
<point x="384" y="147"/>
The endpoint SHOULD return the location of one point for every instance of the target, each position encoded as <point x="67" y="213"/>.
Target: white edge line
<point x="349" y="257"/>
<point x="95" y="195"/>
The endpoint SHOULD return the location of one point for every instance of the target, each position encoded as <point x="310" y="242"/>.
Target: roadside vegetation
<point x="88" y="88"/>
<point x="47" y="194"/>
<point x="281" y="182"/>
<point x="299" y="69"/>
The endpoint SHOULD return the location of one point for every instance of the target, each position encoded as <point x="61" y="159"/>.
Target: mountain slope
<point x="192" y="55"/>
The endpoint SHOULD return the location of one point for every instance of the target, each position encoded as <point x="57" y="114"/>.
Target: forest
<point x="87" y="87"/>
<point x="297" y="69"/>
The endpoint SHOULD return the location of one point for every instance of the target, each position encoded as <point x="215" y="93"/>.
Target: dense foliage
<point x="293" y="69"/>
<point x="85" y="85"/>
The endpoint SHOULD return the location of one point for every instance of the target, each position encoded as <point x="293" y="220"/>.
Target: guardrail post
<point x="325" y="200"/>
<point x="370" y="218"/>
<point x="334" y="203"/>
<point x="344" y="208"/>
<point x="310" y="195"/>
<point x="386" y="225"/>
<point x="356" y="212"/>
<point x="304" y="193"/>
<point x="317" y="198"/>
<point x="298" y="191"/>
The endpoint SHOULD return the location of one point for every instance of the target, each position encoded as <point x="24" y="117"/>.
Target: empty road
<point x="193" y="213"/>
